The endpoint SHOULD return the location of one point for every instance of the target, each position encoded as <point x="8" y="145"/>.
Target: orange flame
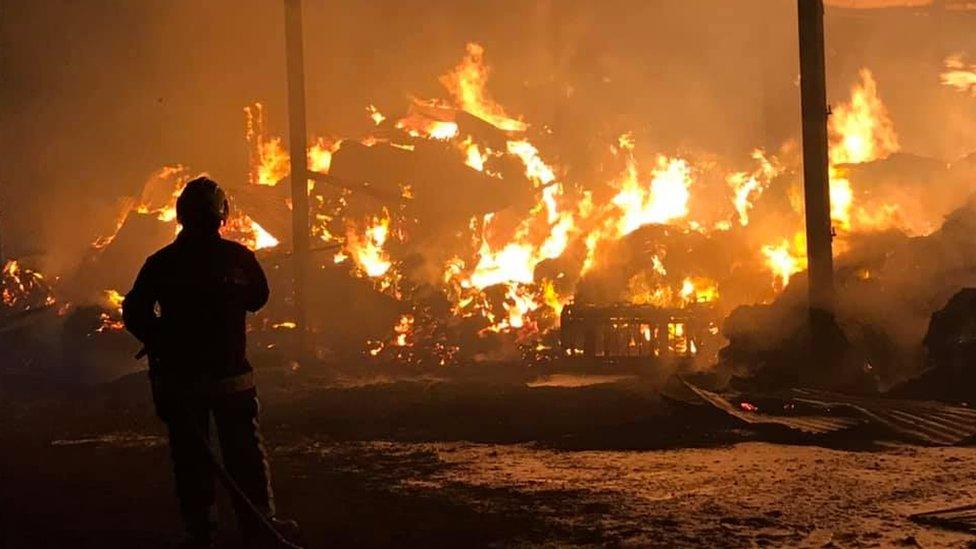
<point x="861" y="131"/>
<point x="664" y="199"/>
<point x="467" y="85"/>
<point x="367" y="249"/>
<point x="748" y="187"/>
<point x="786" y="259"/>
<point x="268" y="158"/>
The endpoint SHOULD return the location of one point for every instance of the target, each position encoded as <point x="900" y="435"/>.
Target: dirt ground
<point x="430" y="462"/>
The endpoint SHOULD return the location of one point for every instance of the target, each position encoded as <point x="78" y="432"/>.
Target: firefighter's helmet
<point x="202" y="204"/>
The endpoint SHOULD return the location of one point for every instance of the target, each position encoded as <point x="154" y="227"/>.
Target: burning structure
<point x="453" y="230"/>
<point x="519" y="234"/>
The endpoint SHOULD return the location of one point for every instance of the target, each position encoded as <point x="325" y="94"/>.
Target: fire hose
<point x="276" y="539"/>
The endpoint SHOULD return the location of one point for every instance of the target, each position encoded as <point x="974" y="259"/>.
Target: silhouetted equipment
<point x="641" y="332"/>
<point x="816" y="183"/>
<point x="299" y="162"/>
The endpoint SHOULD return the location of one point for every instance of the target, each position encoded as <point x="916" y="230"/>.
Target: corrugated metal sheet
<point x="806" y="423"/>
<point x="920" y="421"/>
<point x="917" y="421"/>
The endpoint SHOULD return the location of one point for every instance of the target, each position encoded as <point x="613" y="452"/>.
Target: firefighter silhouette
<point x="188" y="308"/>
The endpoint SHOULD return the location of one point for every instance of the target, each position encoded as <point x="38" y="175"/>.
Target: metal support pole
<point x="816" y="184"/>
<point x="294" y="58"/>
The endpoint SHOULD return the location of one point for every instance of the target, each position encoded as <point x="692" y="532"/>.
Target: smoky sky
<point x="97" y="94"/>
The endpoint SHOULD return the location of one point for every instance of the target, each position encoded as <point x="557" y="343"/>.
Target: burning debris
<point x="23" y="289"/>
<point x="456" y="232"/>
<point x="23" y="294"/>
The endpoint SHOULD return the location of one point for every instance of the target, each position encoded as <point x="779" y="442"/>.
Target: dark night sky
<point x="97" y="94"/>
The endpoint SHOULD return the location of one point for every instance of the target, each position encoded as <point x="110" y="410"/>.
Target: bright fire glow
<point x="268" y="158"/>
<point x="366" y="249"/>
<point x="860" y="131"/>
<point x="664" y="200"/>
<point x="242" y="228"/>
<point x="748" y="187"/>
<point x="467" y="85"/>
<point x="786" y="258"/>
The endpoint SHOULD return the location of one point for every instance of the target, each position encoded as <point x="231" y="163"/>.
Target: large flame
<point x="158" y="200"/>
<point x="268" y="158"/>
<point x="665" y="199"/>
<point x="467" y="85"/>
<point x="786" y="258"/>
<point x="860" y="131"/>
<point x="513" y="270"/>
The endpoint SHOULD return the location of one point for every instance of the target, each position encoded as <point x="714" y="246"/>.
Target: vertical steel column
<point x="816" y="184"/>
<point x="294" y="59"/>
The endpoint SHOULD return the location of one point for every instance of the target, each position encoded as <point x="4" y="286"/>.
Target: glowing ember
<point x="375" y="115"/>
<point x="22" y="289"/>
<point x="287" y="325"/>
<point x="403" y="331"/>
<point x="114" y="300"/>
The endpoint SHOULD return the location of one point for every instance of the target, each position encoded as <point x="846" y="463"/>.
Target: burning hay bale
<point x="22" y="290"/>
<point x="888" y="288"/>
<point x="455" y="232"/>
